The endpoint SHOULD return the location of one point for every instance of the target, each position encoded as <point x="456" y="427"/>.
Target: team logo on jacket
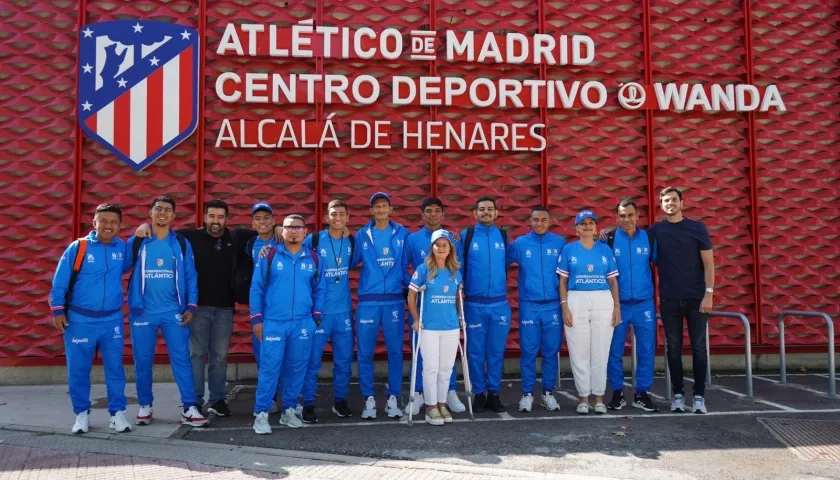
<point x="589" y="268"/>
<point x="528" y="253"/>
<point x="395" y="314"/>
<point x="385" y="251"/>
<point x="138" y="87"/>
<point x="475" y="246"/>
<point x="159" y="262"/>
<point x="445" y="288"/>
<point x="604" y="260"/>
<point x="617" y="252"/>
<point x="117" y="332"/>
<point x="179" y="317"/>
<point x="323" y="252"/>
<point x="280" y="266"/>
<point x="304" y="333"/>
<point x="90" y="258"/>
<point x="573" y="260"/>
<point x="423" y="253"/>
<point x="639" y="250"/>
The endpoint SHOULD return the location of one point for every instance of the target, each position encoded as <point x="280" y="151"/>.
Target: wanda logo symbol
<point x="631" y="96"/>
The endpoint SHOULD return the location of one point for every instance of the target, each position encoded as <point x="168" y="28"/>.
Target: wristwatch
<point x="709" y="289"/>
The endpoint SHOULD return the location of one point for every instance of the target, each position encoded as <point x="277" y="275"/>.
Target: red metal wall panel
<point x="593" y="157"/>
<point x="796" y="47"/>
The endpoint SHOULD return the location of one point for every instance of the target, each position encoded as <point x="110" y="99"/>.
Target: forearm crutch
<point x="464" y="362"/>
<point x="415" y="351"/>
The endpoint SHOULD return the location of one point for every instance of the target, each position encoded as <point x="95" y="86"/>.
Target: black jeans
<point x="673" y="312"/>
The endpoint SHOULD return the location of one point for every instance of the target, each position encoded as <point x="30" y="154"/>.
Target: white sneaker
<point x="678" y="403"/>
<point x="454" y="403"/>
<point x="261" y="425"/>
<point x="526" y="403"/>
<point x="549" y="402"/>
<point x="582" y="409"/>
<point x="699" y="404"/>
<point x="392" y="408"/>
<point x="414" y="408"/>
<point x="290" y="419"/>
<point x="144" y="416"/>
<point x="600" y="408"/>
<point x="370" y="408"/>
<point x="119" y="424"/>
<point x="192" y="418"/>
<point x="82" y="424"/>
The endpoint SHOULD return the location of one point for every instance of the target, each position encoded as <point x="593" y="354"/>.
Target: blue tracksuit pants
<point x="369" y="319"/>
<point x="285" y="348"/>
<point x="487" y="332"/>
<point x="643" y="318"/>
<point x="255" y="345"/>
<point x="144" y="334"/>
<point x="81" y="339"/>
<point x="540" y="331"/>
<point x="418" y="383"/>
<point x="338" y="329"/>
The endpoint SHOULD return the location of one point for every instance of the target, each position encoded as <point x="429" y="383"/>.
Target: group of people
<point x="298" y="291"/>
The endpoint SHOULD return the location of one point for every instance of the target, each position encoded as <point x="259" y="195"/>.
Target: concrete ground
<point x="788" y="431"/>
<point x="729" y="442"/>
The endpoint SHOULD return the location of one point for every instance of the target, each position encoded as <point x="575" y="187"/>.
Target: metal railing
<point x="747" y="353"/>
<point x="782" y="365"/>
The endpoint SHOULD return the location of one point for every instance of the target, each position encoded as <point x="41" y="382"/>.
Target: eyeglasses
<point x="219" y="245"/>
<point x="294" y="228"/>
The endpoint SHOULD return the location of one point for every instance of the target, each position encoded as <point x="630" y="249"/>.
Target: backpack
<point x="77" y="265"/>
<point x="468" y="245"/>
<point x="317" y="238"/>
<point x="243" y="272"/>
<point x="611" y="240"/>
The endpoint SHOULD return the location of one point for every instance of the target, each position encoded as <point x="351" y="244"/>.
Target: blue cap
<point x="583" y="215"/>
<point x="376" y="196"/>
<point x="438" y="234"/>
<point x="262" y="207"/>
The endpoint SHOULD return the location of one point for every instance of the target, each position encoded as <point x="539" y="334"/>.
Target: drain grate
<point x="808" y="439"/>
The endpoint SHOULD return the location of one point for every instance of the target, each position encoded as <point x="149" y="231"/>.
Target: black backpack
<point x="611" y="240"/>
<point x="468" y="245"/>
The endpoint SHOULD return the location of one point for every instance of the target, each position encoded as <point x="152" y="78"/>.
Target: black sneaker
<point x="643" y="401"/>
<point x="495" y="404"/>
<point x="617" y="402"/>
<point x="219" y="409"/>
<point x="479" y="402"/>
<point x="341" y="410"/>
<point x="308" y="415"/>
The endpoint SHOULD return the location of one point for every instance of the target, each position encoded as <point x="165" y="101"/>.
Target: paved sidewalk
<point x="27" y="454"/>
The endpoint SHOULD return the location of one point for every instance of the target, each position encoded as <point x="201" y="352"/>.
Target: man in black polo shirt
<point x="686" y="268"/>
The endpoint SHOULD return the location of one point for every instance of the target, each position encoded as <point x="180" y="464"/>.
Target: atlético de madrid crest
<point x="138" y="87"/>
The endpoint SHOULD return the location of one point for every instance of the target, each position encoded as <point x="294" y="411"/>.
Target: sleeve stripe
<point x="256" y="315"/>
<point x="57" y="308"/>
<point x="563" y="272"/>
<point x="413" y="287"/>
<point x="612" y="274"/>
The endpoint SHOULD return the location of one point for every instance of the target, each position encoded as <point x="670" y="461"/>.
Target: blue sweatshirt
<point x="384" y="272"/>
<point x="334" y="259"/>
<point x="633" y="257"/>
<point x="185" y="281"/>
<point x="486" y="278"/>
<point x="294" y="291"/>
<point x="98" y="292"/>
<point x="539" y="286"/>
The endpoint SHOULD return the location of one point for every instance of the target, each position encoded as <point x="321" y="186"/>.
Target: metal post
<point x="634" y="359"/>
<point x="668" y="391"/>
<point x="708" y="353"/>
<point x="829" y="323"/>
<point x="747" y="346"/>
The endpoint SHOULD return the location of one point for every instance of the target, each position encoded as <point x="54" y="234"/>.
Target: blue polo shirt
<point x="587" y="268"/>
<point x="160" y="289"/>
<point x="439" y="308"/>
<point x="678" y="246"/>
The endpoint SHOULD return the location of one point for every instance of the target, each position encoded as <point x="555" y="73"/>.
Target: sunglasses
<point x="219" y="245"/>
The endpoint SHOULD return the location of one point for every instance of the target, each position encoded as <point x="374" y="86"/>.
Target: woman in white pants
<point x="589" y="300"/>
<point x="439" y="328"/>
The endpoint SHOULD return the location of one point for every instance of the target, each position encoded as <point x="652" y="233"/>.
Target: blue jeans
<point x="210" y="333"/>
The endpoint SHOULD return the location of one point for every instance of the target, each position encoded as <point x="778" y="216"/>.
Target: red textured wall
<point x="766" y="184"/>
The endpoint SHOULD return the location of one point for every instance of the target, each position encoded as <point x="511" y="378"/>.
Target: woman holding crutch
<point x="438" y="279"/>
